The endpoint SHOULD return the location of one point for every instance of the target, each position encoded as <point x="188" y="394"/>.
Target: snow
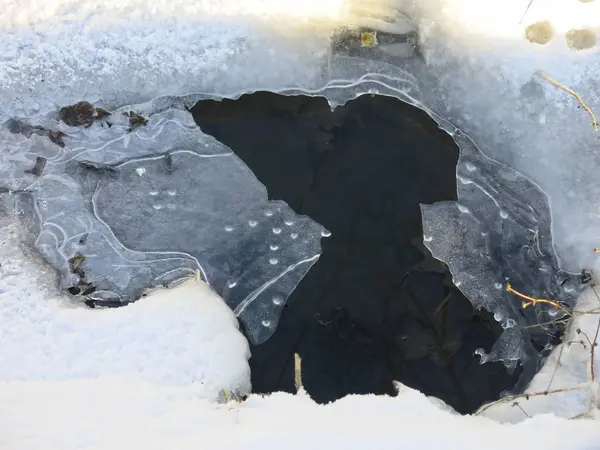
<point x="567" y="373"/>
<point x="178" y="336"/>
<point x="148" y="374"/>
<point x="118" y="415"/>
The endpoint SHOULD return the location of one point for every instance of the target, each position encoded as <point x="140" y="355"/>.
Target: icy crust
<point x="119" y="211"/>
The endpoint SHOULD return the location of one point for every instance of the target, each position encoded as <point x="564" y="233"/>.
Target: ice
<point x="119" y="211"/>
<point x="527" y="176"/>
<point x="158" y="417"/>
<point x="499" y="233"/>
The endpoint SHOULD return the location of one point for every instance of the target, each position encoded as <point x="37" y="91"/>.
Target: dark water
<point x="376" y="307"/>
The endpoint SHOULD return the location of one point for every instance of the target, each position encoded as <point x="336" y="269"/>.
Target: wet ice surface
<point x="118" y="211"/>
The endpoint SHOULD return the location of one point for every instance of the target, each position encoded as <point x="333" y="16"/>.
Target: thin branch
<point x="594" y="343"/>
<point x="297" y="371"/>
<point x="530" y="394"/>
<point x="525" y="13"/>
<point x="574" y="94"/>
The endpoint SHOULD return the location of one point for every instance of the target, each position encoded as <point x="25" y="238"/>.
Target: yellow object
<point x="368" y="39"/>
<point x="533" y="301"/>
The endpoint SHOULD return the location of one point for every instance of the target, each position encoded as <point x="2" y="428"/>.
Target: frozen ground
<point x="145" y="375"/>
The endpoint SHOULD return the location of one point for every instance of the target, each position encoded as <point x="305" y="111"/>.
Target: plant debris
<point x="585" y="276"/>
<point x="57" y="137"/>
<point x="82" y="114"/>
<point x="75" y="261"/>
<point x="135" y="120"/>
<point x="40" y="163"/>
<point x="169" y="162"/>
<point x="574" y="94"/>
<point x="17" y="127"/>
<point x="101" y="113"/>
<point x="97" y="166"/>
<point x="79" y="114"/>
<point x="83" y="287"/>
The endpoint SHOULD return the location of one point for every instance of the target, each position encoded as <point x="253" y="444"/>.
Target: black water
<point x="376" y="307"/>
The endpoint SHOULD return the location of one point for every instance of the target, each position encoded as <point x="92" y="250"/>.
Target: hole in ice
<point x="377" y="306"/>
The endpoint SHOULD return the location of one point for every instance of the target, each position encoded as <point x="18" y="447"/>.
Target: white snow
<point x="178" y="336"/>
<point x="567" y="374"/>
<point x="144" y="375"/>
<point x="103" y="415"/>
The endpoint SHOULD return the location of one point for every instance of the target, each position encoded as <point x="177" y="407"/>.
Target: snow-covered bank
<point x="176" y="336"/>
<point x="99" y="415"/>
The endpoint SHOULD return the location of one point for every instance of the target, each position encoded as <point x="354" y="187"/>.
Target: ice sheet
<point x="118" y="211"/>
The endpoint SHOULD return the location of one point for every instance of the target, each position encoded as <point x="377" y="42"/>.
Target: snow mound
<point x="142" y="415"/>
<point x="177" y="336"/>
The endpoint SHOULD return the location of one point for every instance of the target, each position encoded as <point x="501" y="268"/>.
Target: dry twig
<point x="593" y="344"/>
<point x="574" y="94"/>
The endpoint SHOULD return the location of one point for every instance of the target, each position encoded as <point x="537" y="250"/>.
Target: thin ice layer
<point x="118" y="211"/>
<point x="499" y="231"/>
